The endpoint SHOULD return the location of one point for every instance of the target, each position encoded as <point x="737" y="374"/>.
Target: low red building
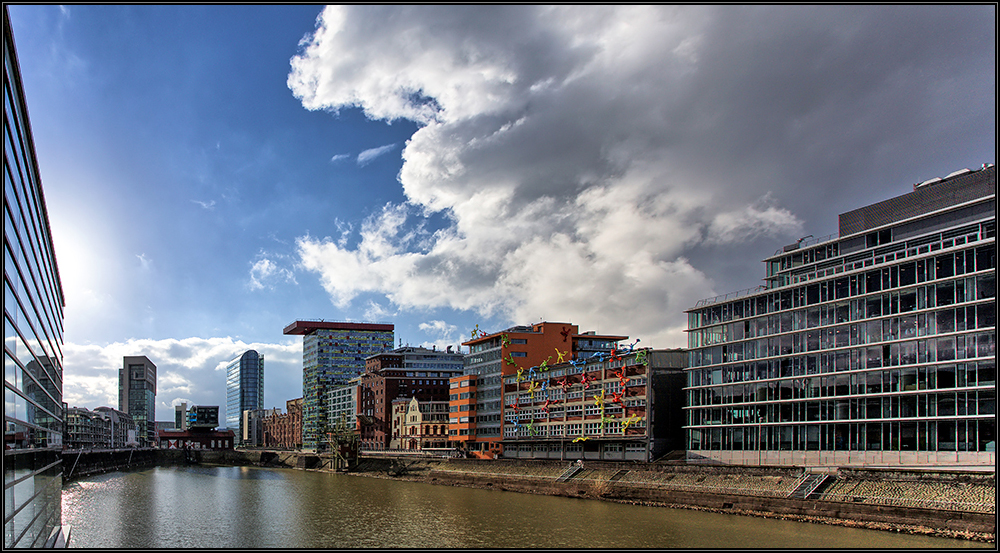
<point x="205" y="439"/>
<point x="284" y="430"/>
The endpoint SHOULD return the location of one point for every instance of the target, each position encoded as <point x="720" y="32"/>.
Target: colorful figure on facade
<point x="640" y="357"/>
<point x="475" y="331"/>
<point x="516" y="423"/>
<point x="622" y="379"/>
<point x="510" y="360"/>
<point x="544" y="365"/>
<point x="633" y="419"/>
<point x="545" y="406"/>
<point x="520" y="374"/>
<point x="606" y="420"/>
<point x="504" y="340"/>
<point x="616" y="397"/>
<point x="585" y="380"/>
<point x="580" y="439"/>
<point x="531" y="390"/>
<point x="560" y="355"/>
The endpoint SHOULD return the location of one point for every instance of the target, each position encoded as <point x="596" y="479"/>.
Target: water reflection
<point x="246" y="507"/>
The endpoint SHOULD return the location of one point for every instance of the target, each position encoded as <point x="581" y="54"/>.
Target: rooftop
<point x="308" y="327"/>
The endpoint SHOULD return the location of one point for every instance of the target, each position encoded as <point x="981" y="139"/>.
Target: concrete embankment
<point x="648" y="484"/>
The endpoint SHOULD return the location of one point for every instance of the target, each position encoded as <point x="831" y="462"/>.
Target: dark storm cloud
<point x="639" y="149"/>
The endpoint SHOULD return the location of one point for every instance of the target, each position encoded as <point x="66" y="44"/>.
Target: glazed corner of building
<point x="956" y="213"/>
<point x="960" y="188"/>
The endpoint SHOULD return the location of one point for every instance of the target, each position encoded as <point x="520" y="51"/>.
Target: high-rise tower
<point x="137" y="396"/>
<point x="332" y="354"/>
<point x="244" y="389"/>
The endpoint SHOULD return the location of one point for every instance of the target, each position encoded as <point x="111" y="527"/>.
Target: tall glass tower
<point x="244" y="389"/>
<point x="332" y="354"/>
<point x="137" y="396"/>
<point x="33" y="334"/>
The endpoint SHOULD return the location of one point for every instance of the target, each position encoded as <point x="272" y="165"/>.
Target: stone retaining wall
<point x="951" y="521"/>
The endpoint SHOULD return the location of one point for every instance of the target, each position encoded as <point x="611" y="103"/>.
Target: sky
<point x="215" y="172"/>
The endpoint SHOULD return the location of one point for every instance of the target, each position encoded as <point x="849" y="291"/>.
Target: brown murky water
<point x="241" y="507"/>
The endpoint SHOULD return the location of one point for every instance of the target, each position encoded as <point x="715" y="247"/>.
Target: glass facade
<point x="33" y="333"/>
<point x="484" y="362"/>
<point x="244" y="389"/>
<point x="332" y="355"/>
<point x="878" y="346"/>
<point x="137" y="396"/>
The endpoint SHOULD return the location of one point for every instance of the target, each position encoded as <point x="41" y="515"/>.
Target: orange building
<point x="462" y="411"/>
<point x="493" y="356"/>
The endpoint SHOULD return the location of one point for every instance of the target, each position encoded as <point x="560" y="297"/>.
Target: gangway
<point x="618" y="475"/>
<point x="808" y="485"/>
<point x="569" y="473"/>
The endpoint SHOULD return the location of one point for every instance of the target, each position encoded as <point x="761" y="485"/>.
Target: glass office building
<point x="33" y="334"/>
<point x="244" y="389"/>
<point x="873" y="347"/>
<point x="333" y="353"/>
<point x="137" y="396"/>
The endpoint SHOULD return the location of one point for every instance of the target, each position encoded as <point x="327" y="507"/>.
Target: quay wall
<point x="80" y="463"/>
<point x="649" y="487"/>
<point x="865" y="515"/>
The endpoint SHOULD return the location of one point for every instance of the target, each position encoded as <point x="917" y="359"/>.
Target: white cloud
<point x="443" y="335"/>
<point x="377" y="312"/>
<point x="587" y="157"/>
<point x="190" y="369"/>
<point x="369" y="155"/>
<point x="563" y="205"/>
<point x="339" y="157"/>
<point x="144" y="262"/>
<point x="753" y="221"/>
<point x="265" y="272"/>
<point x="206" y="205"/>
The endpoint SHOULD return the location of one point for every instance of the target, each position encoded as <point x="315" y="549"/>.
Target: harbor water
<point x="249" y="507"/>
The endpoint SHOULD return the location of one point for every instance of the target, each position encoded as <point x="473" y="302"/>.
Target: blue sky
<point x="214" y="173"/>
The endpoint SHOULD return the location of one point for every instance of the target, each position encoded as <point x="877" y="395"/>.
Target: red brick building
<point x="406" y="372"/>
<point x="284" y="430"/>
